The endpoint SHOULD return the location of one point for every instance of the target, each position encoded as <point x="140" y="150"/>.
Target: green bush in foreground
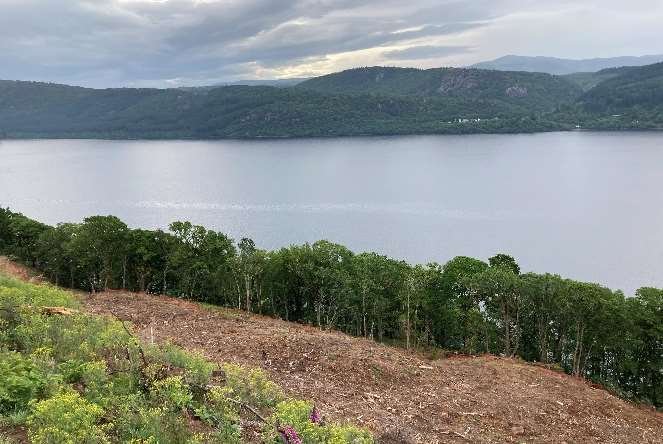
<point x="78" y="378"/>
<point x="67" y="418"/>
<point x="20" y="381"/>
<point x="299" y="416"/>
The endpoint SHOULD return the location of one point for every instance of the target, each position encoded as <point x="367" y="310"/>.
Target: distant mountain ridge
<point x="560" y="66"/>
<point x="363" y="101"/>
<point x="402" y="101"/>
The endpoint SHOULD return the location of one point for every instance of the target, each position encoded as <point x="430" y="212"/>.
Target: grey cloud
<point x="143" y="42"/>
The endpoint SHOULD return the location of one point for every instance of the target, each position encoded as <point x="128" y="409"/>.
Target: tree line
<point x="466" y="305"/>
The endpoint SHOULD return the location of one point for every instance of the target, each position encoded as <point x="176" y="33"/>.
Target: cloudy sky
<point x="163" y="43"/>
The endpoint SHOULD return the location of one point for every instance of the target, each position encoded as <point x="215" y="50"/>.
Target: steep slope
<point x="588" y="80"/>
<point x="553" y="65"/>
<point x="636" y="89"/>
<point x="403" y="397"/>
<point x="530" y="92"/>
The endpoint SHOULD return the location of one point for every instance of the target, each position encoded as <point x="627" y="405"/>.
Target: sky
<point x="167" y="43"/>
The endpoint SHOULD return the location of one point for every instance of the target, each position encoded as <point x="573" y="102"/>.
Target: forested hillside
<point x="30" y="109"/>
<point x="466" y="305"/>
<point x="364" y="101"/>
<point x="634" y="89"/>
<point x="521" y="91"/>
<point x="588" y="80"/>
<point x="632" y="99"/>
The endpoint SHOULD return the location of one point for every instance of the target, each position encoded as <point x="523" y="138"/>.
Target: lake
<point x="585" y="205"/>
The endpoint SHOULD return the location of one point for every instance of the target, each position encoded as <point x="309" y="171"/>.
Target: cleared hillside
<point x="403" y="397"/>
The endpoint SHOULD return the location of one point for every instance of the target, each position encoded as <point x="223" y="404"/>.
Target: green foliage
<point x="588" y="80"/>
<point x="171" y="393"/>
<point x="252" y="386"/>
<point x="16" y="293"/>
<point x="221" y="406"/>
<point x="514" y="92"/>
<point x="20" y="381"/>
<point x="198" y="370"/>
<point x="66" y="418"/>
<point x="627" y="98"/>
<point x="149" y="424"/>
<point x="296" y="414"/>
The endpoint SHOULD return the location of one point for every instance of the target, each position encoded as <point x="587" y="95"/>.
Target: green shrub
<point x="22" y="293"/>
<point x="139" y="423"/>
<point x="342" y="434"/>
<point x="297" y="414"/>
<point x="66" y="419"/>
<point x="252" y="386"/>
<point x="198" y="370"/>
<point x="225" y="434"/>
<point x="221" y="410"/>
<point x="171" y="393"/>
<point x="20" y="381"/>
<point x="221" y="402"/>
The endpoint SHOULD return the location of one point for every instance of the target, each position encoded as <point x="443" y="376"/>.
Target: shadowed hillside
<point x="432" y="102"/>
<point x="627" y="98"/>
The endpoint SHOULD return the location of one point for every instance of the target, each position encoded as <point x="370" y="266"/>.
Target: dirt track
<point x="401" y="396"/>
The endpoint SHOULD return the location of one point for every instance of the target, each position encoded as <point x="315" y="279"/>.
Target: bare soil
<point x="403" y="397"/>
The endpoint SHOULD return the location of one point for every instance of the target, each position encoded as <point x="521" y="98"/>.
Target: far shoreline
<point x="330" y="137"/>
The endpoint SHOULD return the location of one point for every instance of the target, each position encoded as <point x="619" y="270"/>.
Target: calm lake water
<point x="585" y="205"/>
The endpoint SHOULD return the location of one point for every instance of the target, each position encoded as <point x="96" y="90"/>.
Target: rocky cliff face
<point x="516" y="91"/>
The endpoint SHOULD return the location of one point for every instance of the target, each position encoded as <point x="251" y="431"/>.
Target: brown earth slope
<point x="401" y="396"/>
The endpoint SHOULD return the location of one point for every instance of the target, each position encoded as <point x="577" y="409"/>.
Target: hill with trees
<point x="588" y="80"/>
<point x="632" y="99"/>
<point x="523" y="93"/>
<point x="633" y="89"/>
<point x="364" y="101"/>
<point x="56" y="111"/>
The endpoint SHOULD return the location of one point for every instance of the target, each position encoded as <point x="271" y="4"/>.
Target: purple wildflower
<point x="289" y="435"/>
<point x="315" y="416"/>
